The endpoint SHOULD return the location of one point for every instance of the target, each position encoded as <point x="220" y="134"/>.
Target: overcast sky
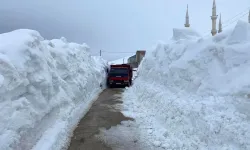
<point x="113" y="25"/>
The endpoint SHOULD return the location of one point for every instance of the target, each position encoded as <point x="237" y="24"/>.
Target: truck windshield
<point x="118" y="71"/>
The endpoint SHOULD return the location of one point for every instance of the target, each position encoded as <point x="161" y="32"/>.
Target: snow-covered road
<point x="104" y="114"/>
<point x="105" y="127"/>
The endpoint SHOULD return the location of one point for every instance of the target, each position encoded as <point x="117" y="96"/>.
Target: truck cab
<point x="120" y="75"/>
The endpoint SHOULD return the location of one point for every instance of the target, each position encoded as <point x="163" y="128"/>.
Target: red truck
<point x="120" y="75"/>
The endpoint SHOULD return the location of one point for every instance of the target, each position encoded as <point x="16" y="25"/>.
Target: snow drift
<point x="197" y="92"/>
<point x="184" y="34"/>
<point x="45" y="87"/>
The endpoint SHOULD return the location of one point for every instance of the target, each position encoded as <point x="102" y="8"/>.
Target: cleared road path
<point x="100" y="115"/>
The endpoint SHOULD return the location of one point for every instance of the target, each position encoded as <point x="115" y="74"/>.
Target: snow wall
<point x="46" y="87"/>
<point x="197" y="90"/>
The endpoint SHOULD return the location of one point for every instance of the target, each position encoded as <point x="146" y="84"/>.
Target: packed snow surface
<point x="45" y="87"/>
<point x="193" y="93"/>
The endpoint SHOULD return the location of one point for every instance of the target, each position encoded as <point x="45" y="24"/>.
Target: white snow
<point x="123" y="60"/>
<point x="193" y="93"/>
<point x="187" y="33"/>
<point x="45" y="87"/>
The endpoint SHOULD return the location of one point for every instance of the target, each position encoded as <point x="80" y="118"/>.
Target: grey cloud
<point x="111" y="25"/>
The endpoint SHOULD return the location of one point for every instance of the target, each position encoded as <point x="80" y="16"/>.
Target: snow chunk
<point x="157" y="143"/>
<point x="15" y="44"/>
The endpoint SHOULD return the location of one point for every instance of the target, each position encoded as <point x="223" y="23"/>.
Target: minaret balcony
<point x="214" y="17"/>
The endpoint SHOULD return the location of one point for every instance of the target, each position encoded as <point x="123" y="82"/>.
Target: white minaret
<point x="220" y="25"/>
<point x="249" y="17"/>
<point x="187" y="19"/>
<point x="214" y="17"/>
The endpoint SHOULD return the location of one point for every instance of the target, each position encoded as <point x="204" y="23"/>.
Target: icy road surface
<point x="103" y="114"/>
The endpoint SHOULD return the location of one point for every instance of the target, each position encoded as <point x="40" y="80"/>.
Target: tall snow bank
<point x="198" y="91"/>
<point x="45" y="87"/>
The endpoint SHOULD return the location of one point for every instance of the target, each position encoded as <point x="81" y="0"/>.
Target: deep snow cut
<point x="196" y="91"/>
<point x="45" y="87"/>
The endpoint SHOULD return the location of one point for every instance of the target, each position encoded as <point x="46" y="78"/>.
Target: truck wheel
<point x="129" y="84"/>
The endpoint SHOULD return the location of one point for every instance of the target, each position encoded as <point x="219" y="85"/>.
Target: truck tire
<point x="110" y="86"/>
<point x="128" y="85"/>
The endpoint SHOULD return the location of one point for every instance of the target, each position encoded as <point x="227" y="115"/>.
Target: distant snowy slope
<point x="120" y="61"/>
<point x="194" y="93"/>
<point x="45" y="87"/>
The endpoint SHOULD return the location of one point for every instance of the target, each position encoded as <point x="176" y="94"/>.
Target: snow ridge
<point x="45" y="87"/>
<point x="197" y="91"/>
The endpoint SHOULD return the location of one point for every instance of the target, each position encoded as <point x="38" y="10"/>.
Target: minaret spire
<point x="220" y="25"/>
<point x="214" y="6"/>
<point x="214" y="17"/>
<point x="187" y="19"/>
